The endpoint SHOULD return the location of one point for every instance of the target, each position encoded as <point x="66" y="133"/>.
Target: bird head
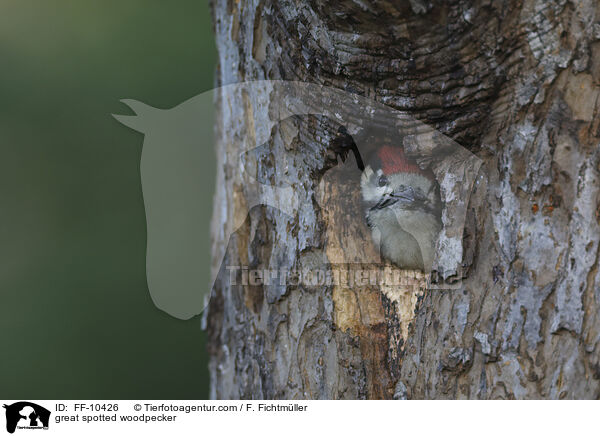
<point x="393" y="180"/>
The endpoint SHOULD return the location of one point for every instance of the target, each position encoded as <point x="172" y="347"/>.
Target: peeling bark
<point x="517" y="83"/>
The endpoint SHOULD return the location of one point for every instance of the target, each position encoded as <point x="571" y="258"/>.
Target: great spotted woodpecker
<point x="403" y="207"/>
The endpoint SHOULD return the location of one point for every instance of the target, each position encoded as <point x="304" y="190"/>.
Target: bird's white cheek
<point x="369" y="193"/>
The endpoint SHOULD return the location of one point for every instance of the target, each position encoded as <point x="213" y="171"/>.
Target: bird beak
<point x="405" y="194"/>
<point x="385" y="202"/>
<point x="412" y="199"/>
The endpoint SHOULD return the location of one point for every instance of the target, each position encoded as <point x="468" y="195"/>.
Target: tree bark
<point x="514" y="82"/>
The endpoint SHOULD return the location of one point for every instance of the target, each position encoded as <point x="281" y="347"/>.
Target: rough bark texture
<point x="515" y="82"/>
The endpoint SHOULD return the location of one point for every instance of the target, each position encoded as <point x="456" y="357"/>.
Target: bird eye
<point x="383" y="180"/>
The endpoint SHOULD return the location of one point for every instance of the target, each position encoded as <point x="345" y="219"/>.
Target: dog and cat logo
<point x="26" y="415"/>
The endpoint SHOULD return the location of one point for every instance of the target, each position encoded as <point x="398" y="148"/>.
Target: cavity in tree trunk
<point x="516" y="83"/>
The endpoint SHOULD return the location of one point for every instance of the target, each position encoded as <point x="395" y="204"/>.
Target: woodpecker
<point x="403" y="206"/>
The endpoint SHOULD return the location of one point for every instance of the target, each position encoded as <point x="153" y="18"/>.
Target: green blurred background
<point x="76" y="318"/>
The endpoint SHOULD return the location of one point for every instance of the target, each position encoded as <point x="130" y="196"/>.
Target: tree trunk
<point x="516" y="83"/>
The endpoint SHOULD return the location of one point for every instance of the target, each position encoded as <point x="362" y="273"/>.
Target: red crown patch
<point x="393" y="160"/>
